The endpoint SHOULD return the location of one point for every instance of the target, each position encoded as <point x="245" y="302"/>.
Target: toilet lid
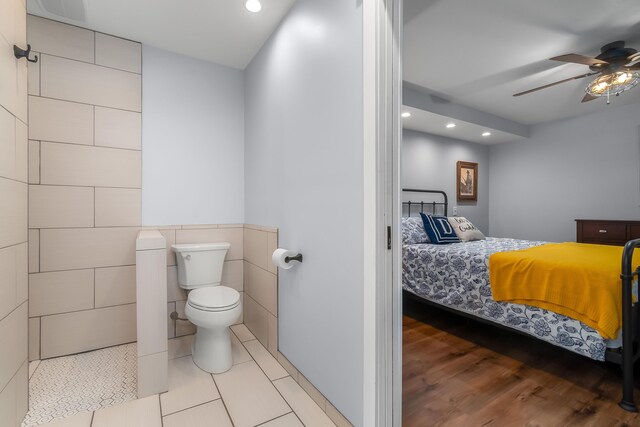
<point x="214" y="298"/>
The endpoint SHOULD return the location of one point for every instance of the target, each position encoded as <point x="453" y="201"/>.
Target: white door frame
<point x="382" y="90"/>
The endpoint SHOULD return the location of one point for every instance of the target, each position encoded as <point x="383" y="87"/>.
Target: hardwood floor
<point x="458" y="372"/>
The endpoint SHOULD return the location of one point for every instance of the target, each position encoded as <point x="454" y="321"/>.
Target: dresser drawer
<point x="603" y="231"/>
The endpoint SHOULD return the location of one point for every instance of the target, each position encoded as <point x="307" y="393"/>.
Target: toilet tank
<point x="200" y="264"/>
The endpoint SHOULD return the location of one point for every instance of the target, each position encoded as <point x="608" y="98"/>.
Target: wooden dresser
<point x="606" y="232"/>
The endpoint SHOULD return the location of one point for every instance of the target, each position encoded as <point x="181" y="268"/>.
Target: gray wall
<point x="193" y="141"/>
<point x="304" y="175"/>
<point x="429" y="162"/>
<point x="585" y="167"/>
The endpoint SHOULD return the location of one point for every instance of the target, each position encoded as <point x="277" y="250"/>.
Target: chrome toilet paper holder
<point x="297" y="257"/>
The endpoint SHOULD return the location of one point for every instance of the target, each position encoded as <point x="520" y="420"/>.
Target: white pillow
<point x="464" y="229"/>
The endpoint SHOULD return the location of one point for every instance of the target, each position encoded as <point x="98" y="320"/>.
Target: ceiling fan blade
<point x="555" y="83"/>
<point x="578" y="59"/>
<point x="588" y="98"/>
<point x="633" y="60"/>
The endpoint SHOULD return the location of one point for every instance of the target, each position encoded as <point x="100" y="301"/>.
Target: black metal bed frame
<point x="626" y="356"/>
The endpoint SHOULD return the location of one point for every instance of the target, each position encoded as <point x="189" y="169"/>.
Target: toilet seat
<point x="214" y="298"/>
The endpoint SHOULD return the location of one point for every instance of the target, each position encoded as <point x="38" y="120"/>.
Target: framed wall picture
<point x="467" y="181"/>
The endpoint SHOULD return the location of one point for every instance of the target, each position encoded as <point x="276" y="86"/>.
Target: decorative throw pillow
<point x="438" y="229"/>
<point x="464" y="229"/>
<point x="413" y="231"/>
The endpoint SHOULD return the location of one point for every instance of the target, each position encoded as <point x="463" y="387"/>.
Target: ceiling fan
<point x="617" y="65"/>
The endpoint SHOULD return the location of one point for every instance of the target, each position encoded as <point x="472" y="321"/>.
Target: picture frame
<point x="467" y="181"/>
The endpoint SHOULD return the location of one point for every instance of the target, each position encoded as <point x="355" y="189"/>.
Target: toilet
<point x="211" y="307"/>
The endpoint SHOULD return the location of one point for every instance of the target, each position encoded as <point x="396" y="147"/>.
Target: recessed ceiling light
<point x="451" y="125"/>
<point x="486" y="133"/>
<point x="406" y="114"/>
<point x="253" y="5"/>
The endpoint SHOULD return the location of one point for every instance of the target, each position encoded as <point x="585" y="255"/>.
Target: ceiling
<point x="479" y="53"/>
<point x="220" y="31"/>
<point x="436" y="124"/>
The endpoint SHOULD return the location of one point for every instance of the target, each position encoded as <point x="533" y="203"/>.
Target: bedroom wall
<point x="193" y="141"/>
<point x="14" y="389"/>
<point x="304" y="175"/>
<point x="429" y="162"/>
<point x="585" y="167"/>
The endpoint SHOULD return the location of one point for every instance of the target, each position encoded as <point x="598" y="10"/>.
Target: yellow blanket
<point x="577" y="280"/>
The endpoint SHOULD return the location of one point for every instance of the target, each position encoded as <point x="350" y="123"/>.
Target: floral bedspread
<point x="457" y="276"/>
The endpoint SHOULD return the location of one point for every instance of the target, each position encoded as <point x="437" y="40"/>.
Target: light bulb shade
<point x="613" y="83"/>
<point x="253" y="5"/>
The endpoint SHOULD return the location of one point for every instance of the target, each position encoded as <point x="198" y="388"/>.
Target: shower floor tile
<point x="64" y="386"/>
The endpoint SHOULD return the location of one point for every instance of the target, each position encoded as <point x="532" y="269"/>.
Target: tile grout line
<point x="273" y="419"/>
<point x="80" y="144"/>
<point x="186" y="409"/>
<point x="85" y="103"/>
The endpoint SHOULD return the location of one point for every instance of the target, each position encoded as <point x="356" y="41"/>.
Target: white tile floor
<point x="257" y="391"/>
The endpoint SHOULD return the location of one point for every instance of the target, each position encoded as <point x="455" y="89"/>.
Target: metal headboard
<point x="422" y="204"/>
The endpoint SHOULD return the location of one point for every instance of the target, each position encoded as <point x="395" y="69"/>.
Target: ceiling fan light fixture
<point x="613" y="83"/>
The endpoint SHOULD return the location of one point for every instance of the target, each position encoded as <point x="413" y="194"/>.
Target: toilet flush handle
<point x="187" y="257"/>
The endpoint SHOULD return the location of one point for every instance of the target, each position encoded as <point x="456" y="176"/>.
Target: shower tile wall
<point x="85" y="188"/>
<point x="261" y="285"/>
<point x="13" y="215"/>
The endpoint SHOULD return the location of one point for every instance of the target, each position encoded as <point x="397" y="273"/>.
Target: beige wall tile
<point x="151" y="292"/>
<point x="262" y="286"/>
<point x="174" y="291"/>
<point x="7" y="20"/>
<point x="140" y="413"/>
<point x="34" y="162"/>
<point x="87" y="330"/>
<point x="246" y="386"/>
<point x="170" y="237"/>
<point x="233" y="275"/>
<point x="22" y="152"/>
<point x="62" y="78"/>
<point x="183" y="327"/>
<point x="22" y="272"/>
<point x="273" y="335"/>
<point x="34" y="251"/>
<point x="34" y="338"/>
<point x="312" y="391"/>
<point x="14" y="398"/>
<point x="66" y="164"/>
<point x="13" y="212"/>
<point x="115" y="286"/>
<point x="76" y="248"/>
<point x="118" y="128"/>
<point x="304" y="407"/>
<point x="60" y="121"/>
<point x="60" y="39"/>
<point x="7" y="144"/>
<point x="257" y="319"/>
<point x="152" y="374"/>
<point x="60" y="292"/>
<point x="13" y="343"/>
<point x="171" y="324"/>
<point x="58" y="206"/>
<point x="198" y="226"/>
<point x="118" y="207"/>
<point x="8" y="288"/>
<point x="13" y="96"/>
<point x="255" y="247"/>
<point x="22" y="392"/>
<point x="180" y="346"/>
<point x="337" y="417"/>
<point x="288" y="366"/>
<point x="231" y="235"/>
<point x="33" y="76"/>
<point x="212" y="413"/>
<point x="272" y="245"/>
<point x="118" y="53"/>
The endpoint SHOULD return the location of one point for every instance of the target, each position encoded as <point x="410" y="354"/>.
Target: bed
<point x="455" y="277"/>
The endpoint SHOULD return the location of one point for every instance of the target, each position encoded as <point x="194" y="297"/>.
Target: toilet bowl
<point x="211" y="307"/>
